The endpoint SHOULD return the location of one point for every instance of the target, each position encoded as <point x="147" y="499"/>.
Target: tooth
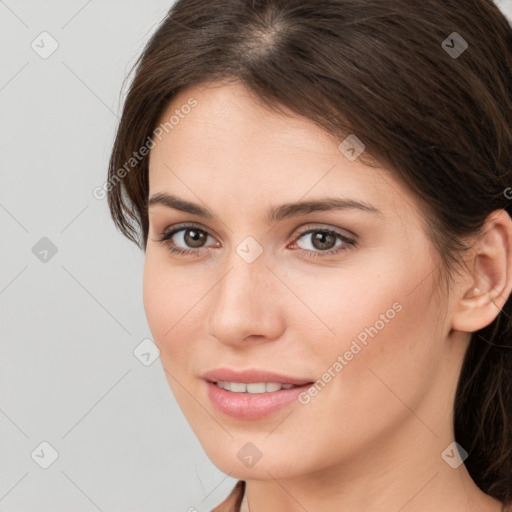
<point x="272" y="386"/>
<point x="256" y="387"/>
<point x="253" y="387"/>
<point x="238" y="387"/>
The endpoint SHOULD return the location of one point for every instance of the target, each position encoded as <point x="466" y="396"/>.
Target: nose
<point x="247" y="302"/>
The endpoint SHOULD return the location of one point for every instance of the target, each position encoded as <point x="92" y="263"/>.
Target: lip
<point x="251" y="376"/>
<point x="249" y="406"/>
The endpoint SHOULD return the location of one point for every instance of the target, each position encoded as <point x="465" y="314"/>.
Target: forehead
<point x="230" y="109"/>
<point x="230" y="144"/>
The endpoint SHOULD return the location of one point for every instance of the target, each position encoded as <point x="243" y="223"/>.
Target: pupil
<point x="195" y="238"/>
<point x="322" y="240"/>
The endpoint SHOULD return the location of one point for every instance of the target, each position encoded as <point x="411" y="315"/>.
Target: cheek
<point x="385" y="324"/>
<point x="166" y="293"/>
<point x="173" y="298"/>
<point x="156" y="298"/>
<point x="165" y="299"/>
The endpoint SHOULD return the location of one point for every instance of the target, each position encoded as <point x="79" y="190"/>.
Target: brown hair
<point x="383" y="70"/>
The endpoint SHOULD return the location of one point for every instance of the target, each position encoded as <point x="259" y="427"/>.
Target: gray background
<point x="71" y="319"/>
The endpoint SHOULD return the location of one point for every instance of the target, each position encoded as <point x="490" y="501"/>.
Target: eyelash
<point x="347" y="242"/>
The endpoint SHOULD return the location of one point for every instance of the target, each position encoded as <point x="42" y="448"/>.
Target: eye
<point x="320" y="242"/>
<point x="185" y="239"/>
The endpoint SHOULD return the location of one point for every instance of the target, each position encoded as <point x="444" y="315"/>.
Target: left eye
<point x="322" y="240"/>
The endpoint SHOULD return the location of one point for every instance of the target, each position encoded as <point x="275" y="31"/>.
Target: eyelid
<point x="295" y="233"/>
<point x="174" y="228"/>
<point x="307" y="228"/>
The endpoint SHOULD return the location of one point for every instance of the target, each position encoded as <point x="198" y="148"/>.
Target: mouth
<point x="252" y="394"/>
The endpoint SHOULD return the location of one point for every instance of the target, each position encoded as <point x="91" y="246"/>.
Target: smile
<point x="252" y="400"/>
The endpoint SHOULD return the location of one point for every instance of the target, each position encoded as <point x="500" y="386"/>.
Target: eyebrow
<point x="276" y="213"/>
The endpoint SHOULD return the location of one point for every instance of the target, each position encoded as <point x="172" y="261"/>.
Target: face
<point x="337" y="301"/>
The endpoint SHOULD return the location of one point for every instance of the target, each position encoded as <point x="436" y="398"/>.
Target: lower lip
<point x="252" y="406"/>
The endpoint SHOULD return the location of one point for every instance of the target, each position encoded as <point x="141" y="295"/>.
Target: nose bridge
<point x="247" y="270"/>
<point x="244" y="299"/>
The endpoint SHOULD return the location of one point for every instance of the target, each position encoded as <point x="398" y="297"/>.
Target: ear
<point x="489" y="283"/>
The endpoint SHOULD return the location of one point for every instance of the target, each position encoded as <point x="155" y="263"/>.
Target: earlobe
<point x="490" y="277"/>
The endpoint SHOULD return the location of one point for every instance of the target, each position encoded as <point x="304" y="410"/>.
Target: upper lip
<point x="251" y="376"/>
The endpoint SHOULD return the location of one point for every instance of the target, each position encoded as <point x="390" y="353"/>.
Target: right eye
<point x="185" y="239"/>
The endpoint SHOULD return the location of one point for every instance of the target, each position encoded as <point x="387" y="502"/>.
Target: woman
<point x="322" y="191"/>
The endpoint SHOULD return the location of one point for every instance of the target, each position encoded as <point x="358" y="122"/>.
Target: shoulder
<point x="233" y="501"/>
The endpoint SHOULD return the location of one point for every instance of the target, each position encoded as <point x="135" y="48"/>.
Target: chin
<point x="244" y="459"/>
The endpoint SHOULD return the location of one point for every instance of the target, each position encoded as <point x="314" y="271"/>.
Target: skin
<point x="372" y="438"/>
